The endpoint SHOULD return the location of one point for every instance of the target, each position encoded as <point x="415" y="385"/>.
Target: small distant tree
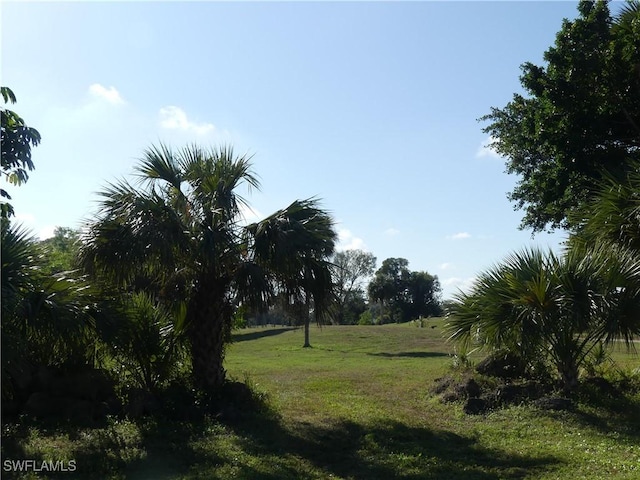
<point x="296" y="244"/>
<point x="423" y="295"/>
<point x="16" y="140"/>
<point x="389" y="287"/>
<point x="351" y="269"/>
<point x="404" y="294"/>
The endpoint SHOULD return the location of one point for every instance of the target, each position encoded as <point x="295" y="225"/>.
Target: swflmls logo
<point x="38" y="466"/>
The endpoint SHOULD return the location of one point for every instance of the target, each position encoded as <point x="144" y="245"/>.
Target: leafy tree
<point x="17" y="139"/>
<point x="178" y="233"/>
<point x="580" y="116"/>
<point x="61" y="250"/>
<point x="389" y="286"/>
<point x="352" y="268"/>
<point x="541" y="306"/>
<point x="405" y="294"/>
<point x="353" y="306"/>
<point x="424" y="295"/>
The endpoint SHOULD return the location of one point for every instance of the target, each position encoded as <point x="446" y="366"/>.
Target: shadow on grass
<point x="243" y="337"/>
<point x="254" y="443"/>
<point x="610" y="410"/>
<point x="385" y="451"/>
<point x="148" y="449"/>
<point x="410" y="354"/>
<point x="171" y="450"/>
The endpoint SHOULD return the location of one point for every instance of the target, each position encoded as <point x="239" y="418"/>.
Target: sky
<point x="372" y="107"/>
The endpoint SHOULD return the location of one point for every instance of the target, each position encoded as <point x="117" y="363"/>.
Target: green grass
<point x="355" y="406"/>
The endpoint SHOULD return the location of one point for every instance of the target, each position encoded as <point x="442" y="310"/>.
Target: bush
<point x="145" y="343"/>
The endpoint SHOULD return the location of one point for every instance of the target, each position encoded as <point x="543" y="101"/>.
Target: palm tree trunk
<point x="207" y="334"/>
<point x="306" y="323"/>
<point x="569" y="375"/>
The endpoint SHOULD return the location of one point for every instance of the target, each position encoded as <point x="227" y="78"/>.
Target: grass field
<point x="355" y="406"/>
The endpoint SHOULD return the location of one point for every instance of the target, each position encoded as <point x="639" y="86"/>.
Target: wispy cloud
<point x="456" y="284"/>
<point x="459" y="236"/>
<point x="348" y="241"/>
<point x="174" y="118"/>
<point x="487" y="149"/>
<point x="110" y="94"/>
<point x="30" y="222"/>
<point x="445" y="266"/>
<point x="250" y="215"/>
<point x="392" y="232"/>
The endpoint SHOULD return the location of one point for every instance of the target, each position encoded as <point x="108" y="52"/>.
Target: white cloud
<point x="30" y="222"/>
<point x="111" y="95"/>
<point x="392" y="232"/>
<point x="347" y="241"/>
<point x="445" y="266"/>
<point x="46" y="232"/>
<point x="456" y="284"/>
<point x="487" y="149"/>
<point x="174" y="118"/>
<point x="250" y="215"/>
<point x="459" y="236"/>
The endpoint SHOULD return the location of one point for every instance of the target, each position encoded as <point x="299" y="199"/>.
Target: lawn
<point x="357" y="405"/>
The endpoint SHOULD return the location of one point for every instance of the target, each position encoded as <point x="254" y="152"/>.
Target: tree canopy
<point x="17" y="139"/>
<point x="405" y="294"/>
<point x="352" y="268"/>
<point x="61" y="250"/>
<point x="579" y="117"/>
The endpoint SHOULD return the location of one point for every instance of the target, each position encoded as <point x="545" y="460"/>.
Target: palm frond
<point x="160" y="163"/>
<point x="613" y="214"/>
<point x="629" y="13"/>
<point x="215" y="176"/>
<point x="134" y="231"/>
<point x="295" y="243"/>
<point x="18" y="261"/>
<point x="254" y="285"/>
<point x="301" y="229"/>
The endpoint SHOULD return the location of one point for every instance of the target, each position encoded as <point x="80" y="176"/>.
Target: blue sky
<point x="371" y="106"/>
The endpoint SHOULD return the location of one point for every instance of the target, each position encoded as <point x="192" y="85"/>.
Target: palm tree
<point x="46" y="319"/>
<point x="144" y="338"/>
<point x="613" y="214"/>
<point x="547" y="307"/>
<point x="180" y="233"/>
<point x="295" y="244"/>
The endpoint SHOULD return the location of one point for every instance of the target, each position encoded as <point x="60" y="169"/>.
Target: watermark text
<point x="39" y="466"/>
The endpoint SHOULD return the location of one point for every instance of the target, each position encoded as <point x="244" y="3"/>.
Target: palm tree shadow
<point x="243" y="337"/>
<point x="613" y="410"/>
<point x="390" y="450"/>
<point x="409" y="354"/>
